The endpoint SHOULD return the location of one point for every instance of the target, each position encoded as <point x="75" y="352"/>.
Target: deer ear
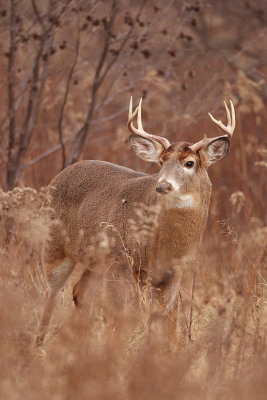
<point x="215" y="151"/>
<point x="146" y="149"/>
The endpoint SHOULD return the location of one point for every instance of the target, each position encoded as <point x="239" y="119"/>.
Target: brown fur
<point x="177" y="151"/>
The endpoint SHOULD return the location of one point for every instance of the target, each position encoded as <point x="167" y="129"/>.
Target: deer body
<point x="84" y="211"/>
<point x="75" y="200"/>
<point x="90" y="194"/>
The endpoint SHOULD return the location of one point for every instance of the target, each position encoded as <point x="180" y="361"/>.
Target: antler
<point x="140" y="130"/>
<point x="229" y="128"/>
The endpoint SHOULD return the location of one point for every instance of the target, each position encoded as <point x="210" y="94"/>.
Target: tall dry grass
<point x="213" y="346"/>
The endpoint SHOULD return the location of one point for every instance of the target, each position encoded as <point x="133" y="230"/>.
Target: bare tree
<point x="19" y="136"/>
<point x="102" y="69"/>
<point x="70" y="64"/>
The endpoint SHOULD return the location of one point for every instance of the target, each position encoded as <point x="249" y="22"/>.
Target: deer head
<point x="182" y="164"/>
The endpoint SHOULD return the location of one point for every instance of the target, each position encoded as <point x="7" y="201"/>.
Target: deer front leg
<point x="57" y="274"/>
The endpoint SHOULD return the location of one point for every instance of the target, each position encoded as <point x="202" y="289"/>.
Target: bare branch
<point x="65" y="97"/>
<point x="111" y="116"/>
<point x="82" y="133"/>
<point x="100" y="74"/>
<point x="35" y="97"/>
<point x="119" y="51"/>
<point x="11" y="89"/>
<point x="42" y="156"/>
<point x="39" y="18"/>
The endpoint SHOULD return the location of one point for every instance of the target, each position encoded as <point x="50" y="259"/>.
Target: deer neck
<point x="180" y="225"/>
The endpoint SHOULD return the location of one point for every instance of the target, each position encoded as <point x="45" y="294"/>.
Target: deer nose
<point x="164" y="187"/>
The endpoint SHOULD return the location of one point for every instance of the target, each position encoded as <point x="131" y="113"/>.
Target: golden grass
<point x="120" y="346"/>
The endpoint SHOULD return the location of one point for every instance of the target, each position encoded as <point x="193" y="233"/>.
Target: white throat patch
<point x="185" y="201"/>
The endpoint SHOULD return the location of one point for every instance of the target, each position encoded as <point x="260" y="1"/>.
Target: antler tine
<point x="230" y="127"/>
<point x="140" y="130"/>
<point x="130" y="113"/>
<point x="233" y="115"/>
<point x="139" y="116"/>
<point x="131" y="116"/>
<point x="227" y="113"/>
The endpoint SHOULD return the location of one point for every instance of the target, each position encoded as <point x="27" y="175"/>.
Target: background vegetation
<point x="67" y="70"/>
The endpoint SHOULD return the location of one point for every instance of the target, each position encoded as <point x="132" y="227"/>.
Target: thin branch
<point x="38" y="16"/>
<point x="111" y="116"/>
<point x="34" y="100"/>
<point x="100" y="74"/>
<point x="42" y="156"/>
<point x="83" y="131"/>
<point x="127" y="37"/>
<point x="106" y="101"/>
<point x="65" y="98"/>
<point x="11" y="88"/>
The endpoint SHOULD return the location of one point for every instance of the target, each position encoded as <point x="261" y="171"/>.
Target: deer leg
<point x="79" y="289"/>
<point x="56" y="277"/>
<point x="171" y="295"/>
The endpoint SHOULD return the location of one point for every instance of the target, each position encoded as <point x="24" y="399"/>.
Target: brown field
<point x="120" y="345"/>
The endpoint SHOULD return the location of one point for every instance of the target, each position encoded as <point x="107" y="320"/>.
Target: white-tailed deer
<point x="90" y="193"/>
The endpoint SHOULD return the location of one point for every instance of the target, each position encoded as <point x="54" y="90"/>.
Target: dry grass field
<point x="67" y="70"/>
<point x="213" y="346"/>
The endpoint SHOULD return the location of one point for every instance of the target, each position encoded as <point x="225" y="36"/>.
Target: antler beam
<point x="229" y="128"/>
<point x="140" y="130"/>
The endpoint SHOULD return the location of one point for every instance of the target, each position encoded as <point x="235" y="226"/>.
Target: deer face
<point x="183" y="169"/>
<point x="179" y="168"/>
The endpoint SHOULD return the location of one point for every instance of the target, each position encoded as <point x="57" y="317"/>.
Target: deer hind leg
<point x="57" y="274"/>
<point x="80" y="288"/>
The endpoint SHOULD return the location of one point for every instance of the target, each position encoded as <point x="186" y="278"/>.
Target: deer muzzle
<point x="164" y="187"/>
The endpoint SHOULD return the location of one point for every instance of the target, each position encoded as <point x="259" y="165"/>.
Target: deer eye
<point x="160" y="162"/>
<point x="189" y="164"/>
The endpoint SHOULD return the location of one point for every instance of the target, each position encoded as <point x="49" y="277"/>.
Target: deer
<point x="88" y="193"/>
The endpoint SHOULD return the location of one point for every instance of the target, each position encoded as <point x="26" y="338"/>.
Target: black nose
<point x="164" y="187"/>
